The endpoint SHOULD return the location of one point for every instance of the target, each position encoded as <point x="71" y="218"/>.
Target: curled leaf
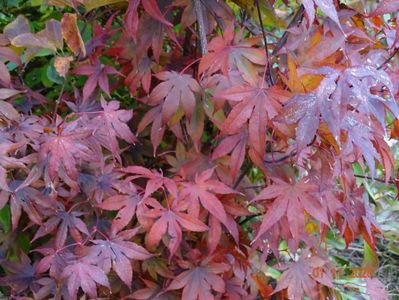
<point x="71" y="34"/>
<point x="61" y="65"/>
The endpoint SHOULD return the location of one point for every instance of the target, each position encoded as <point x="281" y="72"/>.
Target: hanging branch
<point x="58" y="101"/>
<point x="389" y="58"/>
<point x="269" y="76"/>
<point x="294" y="22"/>
<point x="242" y="175"/>
<point x="289" y="155"/>
<point x="201" y="26"/>
<point x="383" y="180"/>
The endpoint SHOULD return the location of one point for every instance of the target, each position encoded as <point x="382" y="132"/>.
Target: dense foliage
<point x="194" y="149"/>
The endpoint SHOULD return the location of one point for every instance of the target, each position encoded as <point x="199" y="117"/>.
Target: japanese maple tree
<point x="194" y="149"/>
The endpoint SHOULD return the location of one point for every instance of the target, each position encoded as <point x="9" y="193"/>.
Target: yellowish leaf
<point x="310" y="81"/>
<point x="92" y="4"/>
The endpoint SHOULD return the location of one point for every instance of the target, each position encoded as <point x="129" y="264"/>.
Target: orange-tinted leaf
<point x="71" y="34"/>
<point x="61" y="65"/>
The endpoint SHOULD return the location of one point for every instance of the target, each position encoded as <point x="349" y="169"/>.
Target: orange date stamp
<point x="360" y="272"/>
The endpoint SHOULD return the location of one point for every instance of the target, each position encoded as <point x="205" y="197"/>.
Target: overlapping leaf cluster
<point x="160" y="201"/>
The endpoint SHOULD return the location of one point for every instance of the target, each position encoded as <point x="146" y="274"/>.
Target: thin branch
<point x="201" y="26"/>
<point x="253" y="187"/>
<point x="293" y="153"/>
<point x="269" y="76"/>
<point x="281" y="159"/>
<point x="58" y="101"/>
<point x="250" y="218"/>
<point x="390" y="181"/>
<point x="389" y="58"/>
<point x="294" y="22"/>
<point x="242" y="175"/>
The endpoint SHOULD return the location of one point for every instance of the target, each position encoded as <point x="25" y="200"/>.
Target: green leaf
<point x="44" y="78"/>
<point x="36" y="2"/>
<point x="5" y="218"/>
<point x="23" y="242"/>
<point x="33" y="77"/>
<point x="273" y="273"/>
<point x="370" y="259"/>
<point x="52" y="74"/>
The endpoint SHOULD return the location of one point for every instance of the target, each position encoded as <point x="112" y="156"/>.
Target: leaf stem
<point x="189" y="65"/>
<point x="58" y="101"/>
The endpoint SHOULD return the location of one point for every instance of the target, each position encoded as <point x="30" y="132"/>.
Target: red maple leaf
<point x="117" y="252"/>
<point x="111" y="124"/>
<point x="63" y="221"/>
<point x="23" y="274"/>
<point x="154" y="116"/>
<point x="172" y="221"/>
<point x="236" y="145"/>
<point x="176" y="90"/>
<point x="97" y="75"/>
<point x="357" y="217"/>
<point x="132" y="17"/>
<point x="198" y="281"/>
<point x="301" y="277"/>
<point x="59" y="152"/>
<point x="21" y="196"/>
<point x="125" y="204"/>
<point x="151" y="34"/>
<point x="83" y="273"/>
<point x="140" y="72"/>
<point x="291" y="200"/>
<point x="7" y="161"/>
<point x="231" y="52"/>
<point x="256" y="106"/>
<point x="203" y="191"/>
<point x="155" y="180"/>
<point x="326" y="6"/>
<point x="54" y="261"/>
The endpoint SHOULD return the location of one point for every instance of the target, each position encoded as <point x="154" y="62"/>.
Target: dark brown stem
<point x="294" y="22"/>
<point x="293" y="153"/>
<point x="242" y="175"/>
<point x="201" y="26"/>
<point x="58" y="101"/>
<point x="390" y="181"/>
<point x="253" y="187"/>
<point x="389" y="58"/>
<point x="269" y="76"/>
<point x="281" y="159"/>
<point x="250" y="218"/>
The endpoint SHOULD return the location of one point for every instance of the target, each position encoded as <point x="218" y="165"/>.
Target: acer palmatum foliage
<point x="159" y="202"/>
